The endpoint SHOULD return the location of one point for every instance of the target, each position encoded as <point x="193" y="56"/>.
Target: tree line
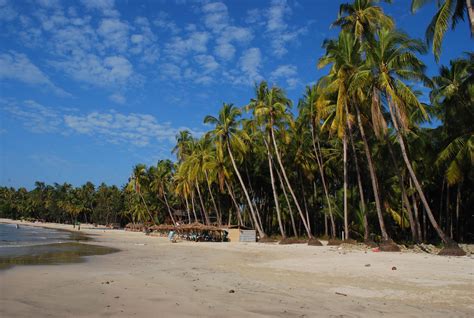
<point x="357" y="154"/>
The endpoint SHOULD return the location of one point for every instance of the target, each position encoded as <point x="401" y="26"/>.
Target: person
<point x="79" y="226"/>
<point x="17" y="226"/>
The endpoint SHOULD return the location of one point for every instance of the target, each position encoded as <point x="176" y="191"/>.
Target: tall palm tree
<point x="137" y="181"/>
<point x="392" y="60"/>
<point x="229" y="138"/>
<point x="161" y="182"/>
<point x="309" y="108"/>
<point x="270" y="107"/>
<point x="448" y="12"/>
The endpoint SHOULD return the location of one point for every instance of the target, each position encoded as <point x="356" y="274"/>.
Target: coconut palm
<point x="448" y="12"/>
<point x="136" y="183"/>
<point x="229" y="138"/>
<point x="392" y="61"/>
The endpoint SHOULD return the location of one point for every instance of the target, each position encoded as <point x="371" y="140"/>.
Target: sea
<point x="30" y="245"/>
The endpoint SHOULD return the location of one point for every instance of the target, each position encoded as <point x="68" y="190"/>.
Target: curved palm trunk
<point x="346" y="217"/>
<point x="169" y="209"/>
<point x="239" y="212"/>
<point x="194" y="207"/>
<point x="293" y="224"/>
<point x="401" y="142"/>
<point x="373" y="177"/>
<point x="275" y="196"/>
<point x="319" y="159"/>
<point x="146" y="207"/>
<point x="470" y="14"/>
<point x="206" y="216"/>
<point x="252" y="211"/>
<point x="360" y="186"/>
<point x="405" y="199"/>
<point x="218" y="214"/>
<point x="187" y="209"/>
<point x="308" y="231"/>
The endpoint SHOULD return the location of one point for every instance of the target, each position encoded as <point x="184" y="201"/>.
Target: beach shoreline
<point x="152" y="276"/>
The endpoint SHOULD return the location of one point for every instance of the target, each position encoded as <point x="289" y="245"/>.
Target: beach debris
<point x="231" y="291"/>
<point x="117" y="297"/>
<point x="394" y="268"/>
<point x="376" y="250"/>
<point x="341" y="294"/>
<point x="367" y="265"/>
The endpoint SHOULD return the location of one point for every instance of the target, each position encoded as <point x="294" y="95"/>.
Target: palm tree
<point x="361" y="18"/>
<point x="270" y="107"/>
<point x="161" y="182"/>
<point x="136" y="183"/>
<point x="392" y="60"/>
<point x="449" y="12"/>
<point x="309" y="107"/>
<point x="228" y="137"/>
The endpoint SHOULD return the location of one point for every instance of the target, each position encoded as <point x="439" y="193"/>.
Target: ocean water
<point x="28" y="245"/>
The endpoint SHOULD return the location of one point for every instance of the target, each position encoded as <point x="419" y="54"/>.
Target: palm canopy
<point x="448" y="12"/>
<point x="391" y="63"/>
<point x="227" y="130"/>
<point x="362" y="18"/>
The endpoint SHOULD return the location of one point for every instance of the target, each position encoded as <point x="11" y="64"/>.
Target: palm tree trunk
<point x="290" y="210"/>
<point x="365" y="222"/>
<point x="417" y="215"/>
<point x="428" y="211"/>
<point x="206" y="216"/>
<point x="470" y="14"/>
<point x="194" y="207"/>
<point x="405" y="199"/>
<point x="275" y="196"/>
<point x="218" y="214"/>
<point x="239" y="212"/>
<point x="373" y="176"/>
<point x="319" y="161"/>
<point x="346" y="217"/>
<point x="187" y="209"/>
<point x="252" y="211"/>
<point x="458" y="205"/>
<point x="305" y="204"/>
<point x="308" y="231"/>
<point x="169" y="209"/>
<point x="146" y="207"/>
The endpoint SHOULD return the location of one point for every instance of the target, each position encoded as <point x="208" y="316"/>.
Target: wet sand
<point x="150" y="276"/>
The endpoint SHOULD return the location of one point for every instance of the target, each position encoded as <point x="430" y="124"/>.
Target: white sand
<point x="153" y="277"/>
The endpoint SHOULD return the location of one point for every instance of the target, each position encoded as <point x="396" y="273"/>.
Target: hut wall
<point x="234" y="235"/>
<point x="248" y="236"/>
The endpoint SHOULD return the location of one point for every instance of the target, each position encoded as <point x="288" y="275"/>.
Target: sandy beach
<point x="152" y="277"/>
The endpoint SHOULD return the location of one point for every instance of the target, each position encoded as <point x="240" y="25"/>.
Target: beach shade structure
<point x="136" y="227"/>
<point x="201" y="233"/>
<point x="238" y="233"/>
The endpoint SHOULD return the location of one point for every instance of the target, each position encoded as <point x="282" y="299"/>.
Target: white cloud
<point x="250" y="64"/>
<point x="17" y="66"/>
<point x="7" y="11"/>
<point x="225" y="51"/>
<point x="288" y="73"/>
<point x="111" y="126"/>
<point x="34" y="116"/>
<point x="110" y="71"/>
<point x="107" y="7"/>
<point x="115" y="34"/>
<point x="215" y="16"/>
<point x="277" y="28"/>
<point x="118" y="98"/>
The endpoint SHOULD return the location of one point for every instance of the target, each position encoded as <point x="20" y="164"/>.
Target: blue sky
<point x="90" y="88"/>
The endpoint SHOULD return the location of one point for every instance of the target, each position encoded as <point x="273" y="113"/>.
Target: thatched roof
<point x="196" y="226"/>
<point x="162" y="227"/>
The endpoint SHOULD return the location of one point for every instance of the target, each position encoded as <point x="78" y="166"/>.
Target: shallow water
<point x="29" y="245"/>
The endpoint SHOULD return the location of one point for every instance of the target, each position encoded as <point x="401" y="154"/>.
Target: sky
<point x="90" y="88"/>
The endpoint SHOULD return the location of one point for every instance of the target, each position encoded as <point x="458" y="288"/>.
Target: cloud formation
<point x="111" y="126"/>
<point x="17" y="66"/>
